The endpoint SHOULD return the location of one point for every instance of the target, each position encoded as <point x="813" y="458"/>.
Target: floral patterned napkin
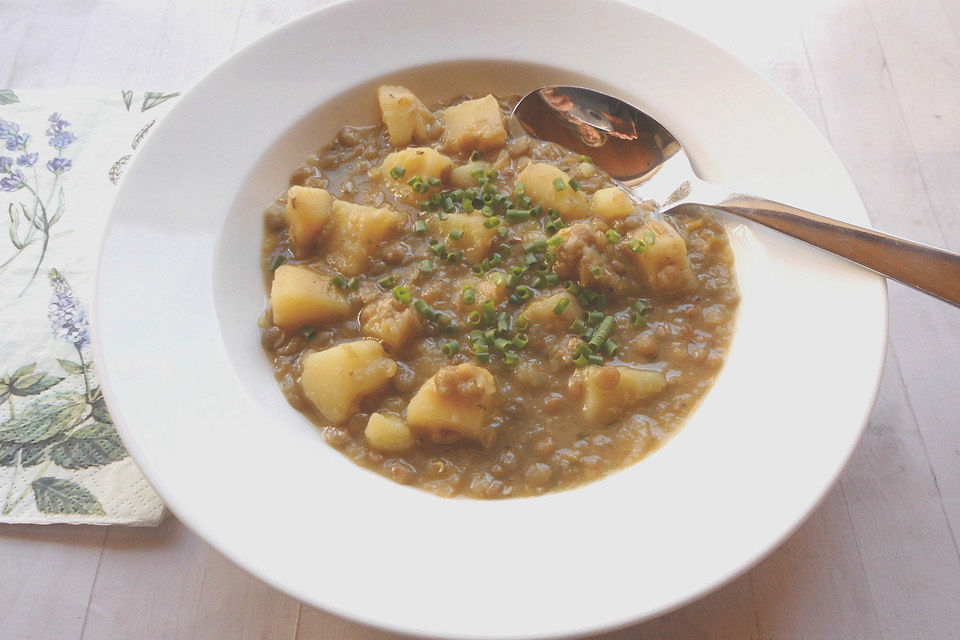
<point x="62" y="154"/>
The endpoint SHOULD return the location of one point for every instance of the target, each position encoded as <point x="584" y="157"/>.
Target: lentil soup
<point x="483" y="314"/>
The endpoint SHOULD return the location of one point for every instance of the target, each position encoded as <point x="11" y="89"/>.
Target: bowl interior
<point x="195" y="401"/>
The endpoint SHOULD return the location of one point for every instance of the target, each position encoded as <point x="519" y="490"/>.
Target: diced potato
<point x="611" y="391"/>
<point x="407" y="118"/>
<point x="300" y="296"/>
<point x="390" y="321"/>
<point x="356" y="230"/>
<point x="662" y="262"/>
<point x="488" y="289"/>
<point x="474" y="124"/>
<point x="461" y="176"/>
<point x="416" y="161"/>
<point x="540" y="180"/>
<point x="336" y="379"/>
<point x="455" y="400"/>
<point x="611" y="204"/>
<point x="307" y="211"/>
<point x="388" y="433"/>
<point x="476" y="239"/>
<point x="540" y="312"/>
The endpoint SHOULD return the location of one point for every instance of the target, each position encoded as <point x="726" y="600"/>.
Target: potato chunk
<point x="474" y="124"/>
<point x="611" y="391"/>
<point x="417" y="161"/>
<point x="475" y="239"/>
<point x="541" y="315"/>
<point x="388" y="433"/>
<point x="455" y="400"/>
<point x="390" y="321"/>
<point x="307" y="211"/>
<point x="300" y="295"/>
<point x="462" y="178"/>
<point x="611" y="204"/>
<point x="356" y="231"/>
<point x="541" y="181"/>
<point x="407" y="118"/>
<point x="336" y="379"/>
<point x="663" y="258"/>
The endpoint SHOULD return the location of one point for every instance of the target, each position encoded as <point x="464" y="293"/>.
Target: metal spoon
<point x="637" y="150"/>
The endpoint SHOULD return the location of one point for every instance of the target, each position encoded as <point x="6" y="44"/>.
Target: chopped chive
<point x="502" y="232"/>
<point x="402" y="294"/>
<point x="636" y="246"/>
<point x="561" y="306"/>
<point x="520" y="189"/>
<point x="475" y="155"/>
<point x="578" y="325"/>
<point x="482" y="358"/>
<point x="498" y="277"/>
<point x="594" y="317"/>
<point x="522" y="323"/>
<point x="595" y="360"/>
<point x="491" y="222"/>
<point x="574" y="184"/>
<point x="469" y="295"/>
<point x="421" y="306"/>
<point x="613" y="236"/>
<point x="520" y="340"/>
<point x="434" y="181"/>
<point x="492" y="173"/>
<point x="477" y="173"/>
<point x="451" y="348"/>
<point x="586" y="159"/>
<point x="308" y="333"/>
<point x="414" y="180"/>
<point x="517" y="215"/>
<point x="338" y="281"/>
<point x="386" y="282"/>
<point x="448" y="205"/>
<point x="421" y="187"/>
<point x="523" y="292"/>
<point x="454" y="257"/>
<point x="552" y="279"/>
<point x="554" y="241"/>
<point x="501" y="344"/>
<point x="276" y="261"/>
<point x="503" y="322"/>
<point x="609" y="347"/>
<point x="439" y="250"/>
<point x="558" y="184"/>
<point x="538" y="282"/>
<point x="602" y="332"/>
<point x="353" y="284"/>
<point x="511" y="358"/>
<point x="580" y="361"/>
<point x="420" y="227"/>
<point x="488" y="311"/>
<point x="596" y="272"/>
<point x="467" y="205"/>
<point x="649" y="237"/>
<point x="456" y="234"/>
<point x="474" y="317"/>
<point x="397" y="172"/>
<point x="426" y="266"/>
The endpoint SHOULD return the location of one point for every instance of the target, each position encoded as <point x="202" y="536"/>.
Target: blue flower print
<point x="27" y="159"/>
<point x="59" y="165"/>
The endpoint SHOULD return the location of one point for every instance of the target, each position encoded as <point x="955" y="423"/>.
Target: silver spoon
<point x="637" y="150"/>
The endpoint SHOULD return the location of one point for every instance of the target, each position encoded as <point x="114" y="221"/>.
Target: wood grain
<point x="878" y="559"/>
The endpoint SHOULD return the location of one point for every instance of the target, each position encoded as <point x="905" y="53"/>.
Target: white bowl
<point x="179" y="291"/>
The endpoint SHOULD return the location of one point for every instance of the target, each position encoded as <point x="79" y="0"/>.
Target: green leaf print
<point x="43" y="419"/>
<point x="71" y="367"/>
<point x="94" y="445"/>
<point x="56" y="495"/>
<point x="8" y="97"/>
<point x="31" y="454"/>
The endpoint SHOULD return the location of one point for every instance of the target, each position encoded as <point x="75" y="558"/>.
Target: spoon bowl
<point x="649" y="161"/>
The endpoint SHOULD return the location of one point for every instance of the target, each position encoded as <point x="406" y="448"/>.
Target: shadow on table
<point x="91" y="535"/>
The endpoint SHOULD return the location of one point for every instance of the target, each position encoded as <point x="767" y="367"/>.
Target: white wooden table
<point x="878" y="559"/>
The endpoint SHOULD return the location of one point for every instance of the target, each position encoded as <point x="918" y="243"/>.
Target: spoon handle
<point x="929" y="269"/>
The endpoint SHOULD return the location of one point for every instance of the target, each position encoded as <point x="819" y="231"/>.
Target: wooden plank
<point x="16" y="17"/>
<point x="922" y="56"/>
<point x="897" y="512"/>
<point x="119" y="44"/>
<point x="166" y="583"/>
<point x="49" y="45"/>
<point x="48" y="572"/>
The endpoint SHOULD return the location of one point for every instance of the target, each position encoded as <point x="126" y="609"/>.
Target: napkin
<point x="62" y="155"/>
